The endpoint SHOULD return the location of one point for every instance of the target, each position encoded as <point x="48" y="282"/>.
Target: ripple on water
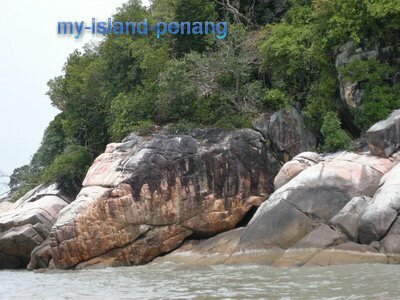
<point x="218" y="282"/>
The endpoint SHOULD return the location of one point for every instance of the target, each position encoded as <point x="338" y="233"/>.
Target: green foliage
<point x="69" y="169"/>
<point x="27" y="177"/>
<point x="380" y="95"/>
<point x="132" y="83"/>
<point x="21" y="191"/>
<point x="253" y="13"/>
<point x="193" y="11"/>
<point x="21" y="181"/>
<point x="144" y="128"/>
<point x="232" y="122"/>
<point x="335" y="137"/>
<point x="299" y="57"/>
<point x="53" y="144"/>
<point x="276" y="99"/>
<point x="205" y="88"/>
<point x="128" y="111"/>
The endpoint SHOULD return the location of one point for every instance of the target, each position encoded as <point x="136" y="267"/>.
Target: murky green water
<point x="220" y="282"/>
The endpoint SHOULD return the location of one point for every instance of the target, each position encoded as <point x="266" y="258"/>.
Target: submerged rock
<point x="143" y="197"/>
<point x="27" y="223"/>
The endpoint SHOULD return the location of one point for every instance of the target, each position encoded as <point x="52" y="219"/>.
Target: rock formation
<point x="188" y="196"/>
<point x="143" y="197"/>
<point x="27" y="223"/>
<point x="286" y="132"/>
<point x="383" y="138"/>
<point x="326" y="214"/>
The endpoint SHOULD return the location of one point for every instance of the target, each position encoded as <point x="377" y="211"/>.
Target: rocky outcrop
<point x="312" y="220"/>
<point x="286" y="131"/>
<point x="294" y="167"/>
<point x="348" y="220"/>
<point x="213" y="251"/>
<point x="27" y="223"/>
<point x="383" y="138"/>
<point x="383" y="210"/>
<point x="313" y="198"/>
<point x="143" y="197"/>
<point x="40" y="256"/>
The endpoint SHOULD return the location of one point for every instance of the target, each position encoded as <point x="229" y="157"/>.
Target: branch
<point x="237" y="15"/>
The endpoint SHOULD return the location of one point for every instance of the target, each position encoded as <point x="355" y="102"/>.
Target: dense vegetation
<point x="277" y="52"/>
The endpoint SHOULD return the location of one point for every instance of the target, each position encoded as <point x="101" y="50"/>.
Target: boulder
<point x="390" y="244"/>
<point x="349" y="218"/>
<point x="212" y="251"/>
<point x="313" y="198"/>
<point x="40" y="256"/>
<point x="383" y="138"/>
<point x="383" y="210"/>
<point x="294" y="167"/>
<point x="347" y="253"/>
<point x="27" y="223"/>
<point x="286" y="130"/>
<point x="303" y="251"/>
<point x="143" y="197"/>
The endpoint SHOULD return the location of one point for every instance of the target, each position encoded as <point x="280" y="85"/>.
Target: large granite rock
<point x="390" y="244"/>
<point x="383" y="210"/>
<point x="40" y="256"/>
<point x="27" y="223"/>
<point x="312" y="220"/>
<point x="213" y="251"/>
<point x="287" y="133"/>
<point x="324" y="246"/>
<point x="143" y="197"/>
<point x="383" y="138"/>
<point x="349" y="218"/>
<point x="294" y="167"/>
<point x="304" y="250"/>
<point x="313" y="198"/>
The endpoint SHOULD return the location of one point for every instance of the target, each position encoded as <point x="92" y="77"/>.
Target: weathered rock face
<point x="350" y="91"/>
<point x="40" y="256"/>
<point x="314" y="219"/>
<point x="384" y="137"/>
<point x="294" y="167"/>
<point x="27" y="223"/>
<point x="285" y="129"/>
<point x="349" y="218"/>
<point x="213" y="251"/>
<point x="143" y="197"/>
<point x="312" y="198"/>
<point x="383" y="210"/>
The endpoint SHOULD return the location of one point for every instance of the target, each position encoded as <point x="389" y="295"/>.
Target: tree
<point x="193" y="11"/>
<point x="69" y="169"/>
<point x="253" y="13"/>
<point x="335" y="138"/>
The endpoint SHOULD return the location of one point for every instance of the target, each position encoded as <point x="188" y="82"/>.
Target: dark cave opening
<point x="247" y="218"/>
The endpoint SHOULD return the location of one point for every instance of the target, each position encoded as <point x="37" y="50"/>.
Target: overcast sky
<point x="31" y="53"/>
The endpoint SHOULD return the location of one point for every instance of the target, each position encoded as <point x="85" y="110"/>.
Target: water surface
<point x="219" y="282"/>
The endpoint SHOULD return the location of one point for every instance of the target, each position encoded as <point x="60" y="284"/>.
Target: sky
<point x="31" y="53"/>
